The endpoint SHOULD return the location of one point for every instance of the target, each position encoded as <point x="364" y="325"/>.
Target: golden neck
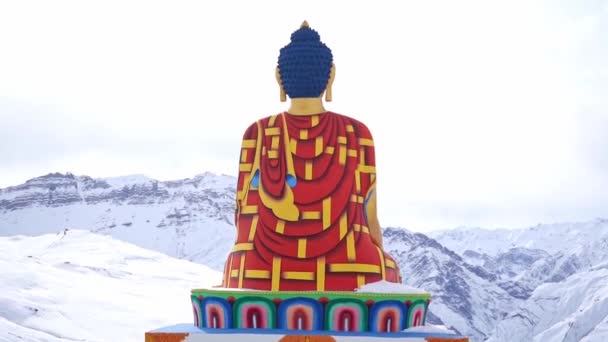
<point x="306" y="106"/>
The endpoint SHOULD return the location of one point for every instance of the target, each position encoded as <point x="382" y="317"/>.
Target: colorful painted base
<point x="308" y="310"/>
<point x="190" y="333"/>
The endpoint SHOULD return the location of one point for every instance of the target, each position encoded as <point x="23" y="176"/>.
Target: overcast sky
<point x="485" y="113"/>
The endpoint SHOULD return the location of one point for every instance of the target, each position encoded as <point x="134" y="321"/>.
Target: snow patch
<point x="384" y="286"/>
<point x="87" y="287"/>
<point x="432" y="329"/>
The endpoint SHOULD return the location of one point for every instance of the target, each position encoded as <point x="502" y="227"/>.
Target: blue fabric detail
<point x="365" y="205"/>
<point x="255" y="181"/>
<point x="291" y="181"/>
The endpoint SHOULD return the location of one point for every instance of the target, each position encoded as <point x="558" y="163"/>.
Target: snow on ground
<point x="384" y="286"/>
<point x="88" y="287"/>
<point x="429" y="328"/>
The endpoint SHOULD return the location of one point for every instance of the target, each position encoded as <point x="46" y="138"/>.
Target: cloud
<point x="483" y="112"/>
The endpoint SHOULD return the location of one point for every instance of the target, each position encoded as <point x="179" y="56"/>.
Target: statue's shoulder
<point x="265" y="122"/>
<point x="359" y="127"/>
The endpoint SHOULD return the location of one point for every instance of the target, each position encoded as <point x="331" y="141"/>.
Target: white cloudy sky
<point x="484" y="113"/>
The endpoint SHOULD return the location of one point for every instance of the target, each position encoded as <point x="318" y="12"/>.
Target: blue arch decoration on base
<point x="300" y="314"/>
<point x="217" y="313"/>
<point x="387" y="316"/>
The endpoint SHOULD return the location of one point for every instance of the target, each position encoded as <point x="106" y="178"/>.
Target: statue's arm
<point x="246" y="160"/>
<point x="368" y="167"/>
<point x="372" y="216"/>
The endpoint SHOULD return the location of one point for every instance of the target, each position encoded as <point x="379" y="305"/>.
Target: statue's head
<point x="305" y="64"/>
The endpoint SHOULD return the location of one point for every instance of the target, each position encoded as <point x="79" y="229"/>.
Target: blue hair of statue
<point x="305" y="64"/>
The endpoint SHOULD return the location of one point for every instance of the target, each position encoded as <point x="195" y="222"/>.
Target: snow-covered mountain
<point x="466" y="297"/>
<point x="560" y="269"/>
<point x="567" y="237"/>
<point x="192" y="219"/>
<point x="526" y="258"/>
<point x="477" y="277"/>
<point x="87" y="287"/>
<point x="189" y="219"/>
<point x="573" y="310"/>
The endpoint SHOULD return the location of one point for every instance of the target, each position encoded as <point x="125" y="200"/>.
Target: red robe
<point x="301" y="194"/>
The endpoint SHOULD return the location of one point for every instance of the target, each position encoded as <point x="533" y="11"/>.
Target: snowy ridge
<point x="543" y="253"/>
<point x="560" y="271"/>
<point x="569" y="237"/>
<point x="464" y="297"/>
<point x="86" y="287"/>
<point x="573" y="310"/>
<point x="188" y="219"/>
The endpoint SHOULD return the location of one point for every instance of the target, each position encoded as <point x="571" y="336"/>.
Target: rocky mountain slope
<point x="559" y="269"/>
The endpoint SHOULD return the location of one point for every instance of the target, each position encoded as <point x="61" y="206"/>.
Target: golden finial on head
<point x="304" y="24"/>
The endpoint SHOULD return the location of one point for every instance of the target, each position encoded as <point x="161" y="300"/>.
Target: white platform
<point x="190" y="333"/>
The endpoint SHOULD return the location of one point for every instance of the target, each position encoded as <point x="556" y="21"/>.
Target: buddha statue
<point x="306" y="194"/>
<point x="307" y="263"/>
